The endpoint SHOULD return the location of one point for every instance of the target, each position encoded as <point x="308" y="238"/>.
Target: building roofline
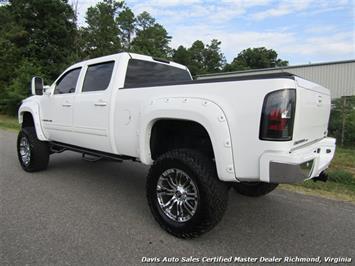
<point x="281" y="69"/>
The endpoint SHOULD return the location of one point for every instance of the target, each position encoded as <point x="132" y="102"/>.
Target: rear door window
<point x="98" y="77"/>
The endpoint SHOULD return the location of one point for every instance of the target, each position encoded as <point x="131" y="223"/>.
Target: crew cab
<point x="200" y="136"/>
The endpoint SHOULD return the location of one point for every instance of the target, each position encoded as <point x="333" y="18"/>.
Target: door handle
<point x="66" y="104"/>
<point x="100" y="104"/>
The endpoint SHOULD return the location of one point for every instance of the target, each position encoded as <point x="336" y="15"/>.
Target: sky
<point x="301" y="31"/>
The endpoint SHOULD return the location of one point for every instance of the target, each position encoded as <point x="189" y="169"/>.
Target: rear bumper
<point x="299" y="165"/>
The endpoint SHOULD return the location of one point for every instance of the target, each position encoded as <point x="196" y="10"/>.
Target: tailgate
<point x="312" y="112"/>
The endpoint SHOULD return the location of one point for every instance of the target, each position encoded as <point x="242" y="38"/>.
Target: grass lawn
<point x="344" y="159"/>
<point x="9" y="122"/>
<point x="341" y="184"/>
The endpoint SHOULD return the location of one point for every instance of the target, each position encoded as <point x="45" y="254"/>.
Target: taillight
<point x="278" y="115"/>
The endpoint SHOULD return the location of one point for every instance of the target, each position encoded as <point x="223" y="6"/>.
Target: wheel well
<point x="169" y="134"/>
<point x="27" y="120"/>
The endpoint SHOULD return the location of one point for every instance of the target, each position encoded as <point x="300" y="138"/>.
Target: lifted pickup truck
<point x="200" y="136"/>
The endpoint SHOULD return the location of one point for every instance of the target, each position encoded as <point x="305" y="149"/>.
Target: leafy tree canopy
<point x="101" y="35"/>
<point x="47" y="32"/>
<point x="151" y="37"/>
<point x="127" y="23"/>
<point x="342" y="120"/>
<point x="201" y="58"/>
<point x="255" y="58"/>
<point x="36" y="39"/>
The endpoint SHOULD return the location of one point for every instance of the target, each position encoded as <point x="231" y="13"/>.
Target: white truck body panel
<point x="119" y="120"/>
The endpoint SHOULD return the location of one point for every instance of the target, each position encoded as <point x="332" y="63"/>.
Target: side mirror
<point x="37" y="86"/>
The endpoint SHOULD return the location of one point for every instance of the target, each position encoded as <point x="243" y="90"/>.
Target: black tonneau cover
<point x="216" y="80"/>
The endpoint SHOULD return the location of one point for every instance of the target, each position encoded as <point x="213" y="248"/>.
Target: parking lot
<point x="84" y="213"/>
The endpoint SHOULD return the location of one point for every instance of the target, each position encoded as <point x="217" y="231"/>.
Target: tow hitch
<point x="322" y="177"/>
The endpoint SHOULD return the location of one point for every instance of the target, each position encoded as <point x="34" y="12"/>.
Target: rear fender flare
<point x="206" y="113"/>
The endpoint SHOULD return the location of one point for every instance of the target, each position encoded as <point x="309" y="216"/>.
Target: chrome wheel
<point x="25" y="151"/>
<point x="177" y="195"/>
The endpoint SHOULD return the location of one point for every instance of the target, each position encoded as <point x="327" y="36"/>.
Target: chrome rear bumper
<point x="299" y="165"/>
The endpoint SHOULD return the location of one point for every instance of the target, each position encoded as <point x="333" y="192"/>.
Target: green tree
<point x="255" y="58"/>
<point x="201" y="58"/>
<point x="20" y="86"/>
<point x="342" y="120"/>
<point x="214" y="59"/>
<point x="126" y="22"/>
<point x="151" y="38"/>
<point x="36" y="38"/>
<point x="197" y="65"/>
<point x="101" y="35"/>
<point x="145" y="21"/>
<point x="11" y="36"/>
<point x="182" y="56"/>
<point x="47" y="34"/>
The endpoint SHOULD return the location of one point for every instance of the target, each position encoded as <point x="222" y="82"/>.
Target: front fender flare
<point x="32" y="108"/>
<point x="207" y="113"/>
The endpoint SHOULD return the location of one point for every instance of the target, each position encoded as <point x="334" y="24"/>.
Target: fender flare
<point x="32" y="108"/>
<point x="205" y="112"/>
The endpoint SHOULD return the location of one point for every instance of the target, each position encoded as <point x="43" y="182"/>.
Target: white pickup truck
<point x="200" y="136"/>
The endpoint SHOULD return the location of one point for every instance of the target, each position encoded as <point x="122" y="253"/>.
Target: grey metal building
<point x="337" y="76"/>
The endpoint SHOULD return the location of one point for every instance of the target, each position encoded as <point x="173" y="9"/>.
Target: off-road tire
<point x="254" y="189"/>
<point x="39" y="151"/>
<point x="212" y="199"/>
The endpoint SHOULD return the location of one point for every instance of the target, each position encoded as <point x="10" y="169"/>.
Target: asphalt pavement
<point x="84" y="213"/>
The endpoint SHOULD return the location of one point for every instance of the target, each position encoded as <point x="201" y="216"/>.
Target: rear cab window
<point x="142" y="73"/>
